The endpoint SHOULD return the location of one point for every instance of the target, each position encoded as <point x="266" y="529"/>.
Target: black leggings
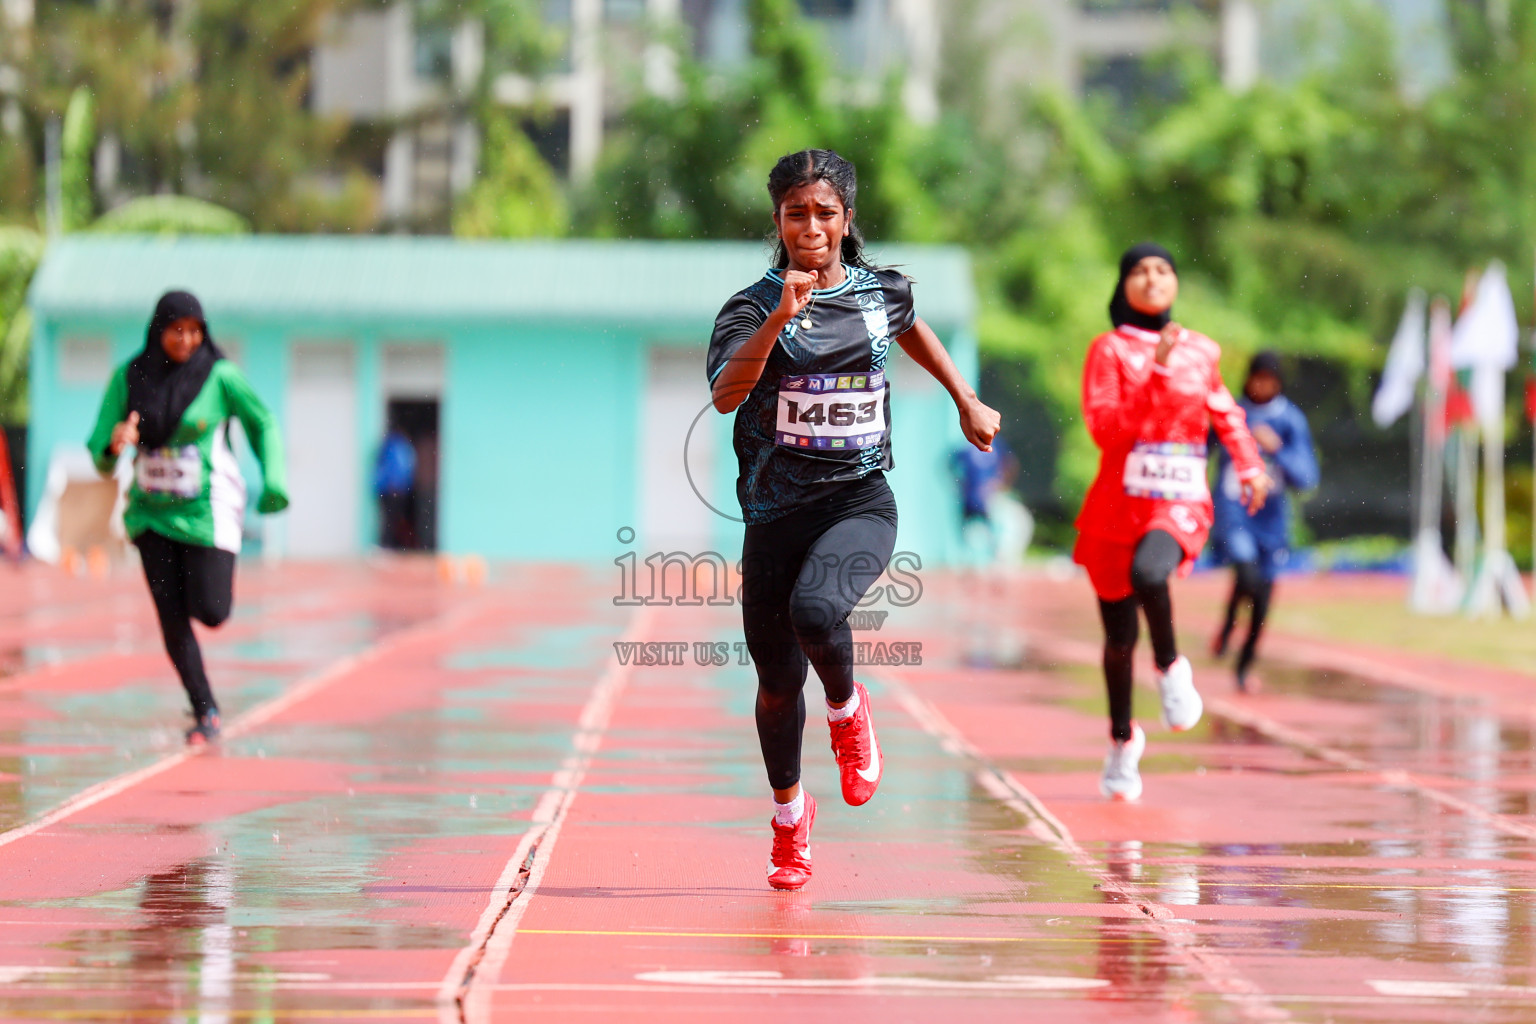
<point x="1248" y="581"/>
<point x="801" y="576"/>
<point x="1157" y="556"/>
<point x="188" y="582"/>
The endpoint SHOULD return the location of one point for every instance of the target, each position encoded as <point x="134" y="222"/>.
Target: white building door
<point x="323" y="460"/>
<point x="672" y="516"/>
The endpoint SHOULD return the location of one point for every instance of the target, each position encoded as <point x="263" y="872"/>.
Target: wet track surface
<point x="455" y="803"/>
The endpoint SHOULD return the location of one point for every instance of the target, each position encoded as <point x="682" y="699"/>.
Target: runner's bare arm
<point x="743" y="369"/>
<point x="124" y="435"/>
<point x="978" y="420"/>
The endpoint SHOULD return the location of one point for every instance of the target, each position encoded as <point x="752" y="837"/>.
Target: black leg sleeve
<point x="1229" y="620"/>
<point x="1261" y="596"/>
<point x="769" y="568"/>
<point x="165" y="571"/>
<point x="801" y="575"/>
<point x="209" y="575"/>
<point x="1120" y="629"/>
<point x="841" y="566"/>
<point x="1157" y="556"/>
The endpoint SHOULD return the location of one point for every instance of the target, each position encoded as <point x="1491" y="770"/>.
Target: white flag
<point x="1487" y="339"/>
<point x="1405" y="365"/>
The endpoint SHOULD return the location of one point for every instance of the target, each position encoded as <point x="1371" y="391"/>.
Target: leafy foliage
<point x="209" y="100"/>
<point x="21" y="249"/>
<point x="171" y="215"/>
<point x="517" y="195"/>
<point x="20" y="252"/>
<point x="697" y="166"/>
<point x="78" y="143"/>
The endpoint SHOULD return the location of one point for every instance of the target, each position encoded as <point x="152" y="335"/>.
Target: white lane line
<point x="1450" y="990"/>
<point x="261" y="713"/>
<point x="1251" y="1002"/>
<point x="1392" y="778"/>
<point x="465" y="991"/>
<point x="1380" y="1001"/>
<point x="776" y="981"/>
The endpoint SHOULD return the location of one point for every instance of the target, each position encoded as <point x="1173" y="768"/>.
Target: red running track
<point x="456" y="803"/>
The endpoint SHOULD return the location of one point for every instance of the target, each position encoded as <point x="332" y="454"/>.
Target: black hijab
<point x="1120" y="311"/>
<point x="160" y="390"/>
<point x="1267" y="361"/>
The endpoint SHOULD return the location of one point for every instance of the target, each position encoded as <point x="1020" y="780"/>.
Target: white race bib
<point x="177" y="471"/>
<point x="1167" y="471"/>
<point x="830" y="411"/>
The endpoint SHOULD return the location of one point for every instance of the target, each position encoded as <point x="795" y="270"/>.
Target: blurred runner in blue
<point x="394" y="481"/>
<point x="1258" y="546"/>
<point x="981" y="475"/>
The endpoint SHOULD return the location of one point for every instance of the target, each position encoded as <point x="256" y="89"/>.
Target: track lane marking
<point x="1251" y="1002"/>
<point x="256" y="716"/>
<point x="1394" y="778"/>
<point x="464" y="993"/>
<point x="851" y="937"/>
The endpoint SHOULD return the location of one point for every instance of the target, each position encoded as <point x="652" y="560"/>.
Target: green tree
<point x="20" y="251"/>
<point x="170" y="215"/>
<point x="77" y="144"/>
<point x="209" y="100"/>
<point x="517" y="195"/>
<point x="18" y="180"/>
<point x="696" y="166"/>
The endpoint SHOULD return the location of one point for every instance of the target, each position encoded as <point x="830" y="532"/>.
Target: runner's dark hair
<point x="811" y="165"/>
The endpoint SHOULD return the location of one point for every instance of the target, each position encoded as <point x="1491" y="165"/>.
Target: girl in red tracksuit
<point x="1152" y="392"/>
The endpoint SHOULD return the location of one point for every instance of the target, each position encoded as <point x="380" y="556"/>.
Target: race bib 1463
<point x="1168" y="471"/>
<point x="177" y="471"/>
<point x="829" y="411"/>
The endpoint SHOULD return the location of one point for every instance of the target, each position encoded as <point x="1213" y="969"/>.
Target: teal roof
<point x="387" y="277"/>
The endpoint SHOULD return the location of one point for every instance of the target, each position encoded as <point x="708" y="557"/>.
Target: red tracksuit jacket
<point x="1154" y="421"/>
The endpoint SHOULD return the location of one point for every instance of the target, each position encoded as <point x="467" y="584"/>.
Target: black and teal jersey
<point x="820" y="412"/>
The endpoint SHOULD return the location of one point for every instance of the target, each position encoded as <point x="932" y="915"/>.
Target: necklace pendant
<point x="805" y="324"/>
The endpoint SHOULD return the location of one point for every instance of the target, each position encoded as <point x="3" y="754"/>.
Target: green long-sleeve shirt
<point x="191" y="490"/>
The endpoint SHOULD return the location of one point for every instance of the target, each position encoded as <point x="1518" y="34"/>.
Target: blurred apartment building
<point x="15" y="32"/>
<point x="379" y="67"/>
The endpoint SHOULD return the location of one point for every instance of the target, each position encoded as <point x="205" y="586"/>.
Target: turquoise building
<point x="555" y="390"/>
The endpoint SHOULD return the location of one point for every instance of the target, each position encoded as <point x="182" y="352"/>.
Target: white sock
<point x="789" y="814"/>
<point x="846" y="711"/>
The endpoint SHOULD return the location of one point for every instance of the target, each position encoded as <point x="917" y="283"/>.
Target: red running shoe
<point x="789" y="863"/>
<point x="858" y="752"/>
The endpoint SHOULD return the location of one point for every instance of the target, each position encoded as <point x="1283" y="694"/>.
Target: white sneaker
<point x="1181" y="701"/>
<point x="1122" y="775"/>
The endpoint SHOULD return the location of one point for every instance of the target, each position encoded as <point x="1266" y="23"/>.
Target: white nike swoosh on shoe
<point x="872" y="773"/>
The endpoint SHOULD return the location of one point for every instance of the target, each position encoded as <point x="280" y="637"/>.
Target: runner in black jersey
<point x="801" y="357"/>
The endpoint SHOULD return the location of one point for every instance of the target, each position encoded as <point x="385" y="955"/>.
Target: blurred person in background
<point x="394" y="481"/>
<point x="172" y="404"/>
<point x="1257" y="543"/>
<point x="982" y="477"/>
<point x="995" y="531"/>
<point x="1152" y="391"/>
<point x="800" y="358"/>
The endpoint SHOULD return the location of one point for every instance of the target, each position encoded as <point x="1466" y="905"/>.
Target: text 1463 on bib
<point x="1167" y="471"/>
<point x="172" y="471"/>
<point x="829" y="411"/>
